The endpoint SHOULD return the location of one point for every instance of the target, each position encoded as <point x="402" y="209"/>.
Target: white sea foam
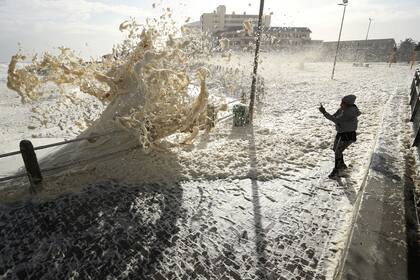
<point x="159" y="95"/>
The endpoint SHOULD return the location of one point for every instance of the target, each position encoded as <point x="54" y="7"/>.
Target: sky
<point x="91" y="26"/>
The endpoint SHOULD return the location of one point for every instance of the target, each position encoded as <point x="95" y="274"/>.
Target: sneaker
<point x="333" y="174"/>
<point x="342" y="165"/>
<point x="339" y="163"/>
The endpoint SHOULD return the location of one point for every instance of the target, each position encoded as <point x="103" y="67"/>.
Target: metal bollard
<point x="31" y="164"/>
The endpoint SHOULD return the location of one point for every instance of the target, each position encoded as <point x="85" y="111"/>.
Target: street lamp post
<point x="367" y="33"/>
<point x="366" y="40"/>
<point x="256" y="58"/>
<point x="345" y="2"/>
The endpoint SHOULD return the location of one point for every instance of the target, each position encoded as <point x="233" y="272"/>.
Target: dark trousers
<point x="342" y="142"/>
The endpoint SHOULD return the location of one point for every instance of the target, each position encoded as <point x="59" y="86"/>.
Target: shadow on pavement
<point x="260" y="239"/>
<point x="106" y="231"/>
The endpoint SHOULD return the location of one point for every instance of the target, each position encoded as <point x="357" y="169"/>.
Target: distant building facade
<point x="273" y="37"/>
<point x="239" y="30"/>
<point x="378" y="50"/>
<point x="220" y="21"/>
<point x="287" y="36"/>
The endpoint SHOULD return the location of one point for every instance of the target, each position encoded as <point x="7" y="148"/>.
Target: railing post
<point x="31" y="164"/>
<point x="415" y="108"/>
<point x="415" y="104"/>
<point x="417" y="139"/>
<point x="413" y="93"/>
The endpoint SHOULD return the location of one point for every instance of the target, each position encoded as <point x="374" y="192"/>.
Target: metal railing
<point x="89" y="138"/>
<point x="34" y="172"/>
<point x="415" y="104"/>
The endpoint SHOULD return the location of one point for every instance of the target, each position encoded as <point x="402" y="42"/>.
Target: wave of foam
<point x="143" y="83"/>
<point x="153" y="87"/>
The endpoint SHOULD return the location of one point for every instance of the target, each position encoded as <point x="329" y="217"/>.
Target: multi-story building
<point x="220" y="21"/>
<point x="273" y="37"/>
<point x="239" y="30"/>
<point x="287" y="36"/>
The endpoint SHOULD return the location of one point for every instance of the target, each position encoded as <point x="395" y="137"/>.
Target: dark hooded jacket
<point x="345" y="119"/>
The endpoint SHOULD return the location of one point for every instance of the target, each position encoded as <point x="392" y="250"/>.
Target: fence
<point x="415" y="104"/>
<point x="34" y="172"/>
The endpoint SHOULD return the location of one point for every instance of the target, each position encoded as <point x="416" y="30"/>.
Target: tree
<point x="405" y="50"/>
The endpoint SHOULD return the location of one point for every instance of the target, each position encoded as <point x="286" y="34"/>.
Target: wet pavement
<point x="240" y="229"/>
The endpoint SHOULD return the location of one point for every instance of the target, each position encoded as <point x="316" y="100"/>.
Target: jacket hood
<point x="349" y="99"/>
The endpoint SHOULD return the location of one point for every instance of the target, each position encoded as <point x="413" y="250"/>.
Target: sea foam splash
<point x="156" y="90"/>
<point x="143" y="83"/>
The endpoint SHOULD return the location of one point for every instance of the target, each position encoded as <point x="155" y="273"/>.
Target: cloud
<point x="69" y="10"/>
<point x="15" y="14"/>
<point x="42" y="24"/>
<point x="391" y="19"/>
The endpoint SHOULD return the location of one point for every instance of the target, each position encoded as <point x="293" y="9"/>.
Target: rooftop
<point x="288" y="29"/>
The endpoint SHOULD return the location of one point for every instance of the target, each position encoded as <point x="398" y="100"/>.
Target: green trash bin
<point x="240" y="115"/>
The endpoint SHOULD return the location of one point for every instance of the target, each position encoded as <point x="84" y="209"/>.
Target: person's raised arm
<point x="342" y="115"/>
<point x="328" y="115"/>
